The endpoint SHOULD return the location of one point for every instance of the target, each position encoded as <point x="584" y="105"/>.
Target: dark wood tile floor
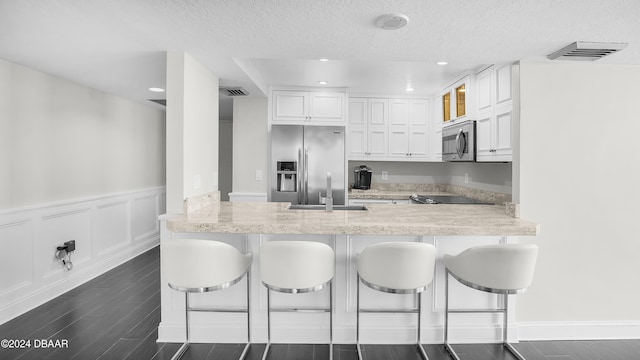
<point x="115" y="316"/>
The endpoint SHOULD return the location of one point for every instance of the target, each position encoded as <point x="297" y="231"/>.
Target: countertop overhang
<point x="379" y="219"/>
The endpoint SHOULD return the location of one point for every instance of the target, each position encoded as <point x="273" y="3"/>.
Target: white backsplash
<point x="495" y="177"/>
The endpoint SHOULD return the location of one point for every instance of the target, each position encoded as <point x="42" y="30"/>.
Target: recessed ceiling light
<point x="409" y="88"/>
<point x="322" y="82"/>
<point x="156" y="89"/>
<point x="323" y="59"/>
<point x="392" y="21"/>
<point x="442" y="63"/>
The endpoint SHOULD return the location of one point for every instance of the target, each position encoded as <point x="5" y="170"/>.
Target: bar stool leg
<point x="186" y="343"/>
<point x="447" y="346"/>
<point x="331" y="320"/>
<point x="420" y="348"/>
<point x="266" y="349"/>
<point x="246" y="348"/>
<point x="358" y="318"/>
<point x="505" y="338"/>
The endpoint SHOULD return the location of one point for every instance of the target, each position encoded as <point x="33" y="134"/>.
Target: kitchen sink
<point x="324" y="207"/>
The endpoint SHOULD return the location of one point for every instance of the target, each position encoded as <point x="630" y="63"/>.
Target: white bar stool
<point x="397" y="268"/>
<point x="198" y="266"/>
<point x="297" y="267"/>
<point x="499" y="269"/>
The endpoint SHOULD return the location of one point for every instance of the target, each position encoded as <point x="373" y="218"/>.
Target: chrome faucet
<point x="328" y="200"/>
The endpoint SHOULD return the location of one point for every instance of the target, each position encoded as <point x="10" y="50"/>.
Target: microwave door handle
<point x="458" y="143"/>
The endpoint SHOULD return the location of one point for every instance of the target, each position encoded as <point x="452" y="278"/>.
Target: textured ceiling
<point x="119" y="45"/>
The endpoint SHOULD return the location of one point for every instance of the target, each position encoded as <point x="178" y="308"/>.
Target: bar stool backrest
<point x="200" y="264"/>
<point x="399" y="266"/>
<point x="506" y="267"/>
<point x="296" y="264"/>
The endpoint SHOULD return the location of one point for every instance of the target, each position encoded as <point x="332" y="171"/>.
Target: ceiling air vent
<point x="234" y="91"/>
<point x="586" y="51"/>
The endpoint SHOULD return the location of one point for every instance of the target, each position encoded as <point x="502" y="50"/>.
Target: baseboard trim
<point x="578" y="330"/>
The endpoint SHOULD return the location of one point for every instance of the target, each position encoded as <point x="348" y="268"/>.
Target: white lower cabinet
<point x="294" y="328"/>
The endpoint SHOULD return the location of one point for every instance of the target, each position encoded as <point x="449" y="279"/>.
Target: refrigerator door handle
<point x="306" y="176"/>
<point x="299" y="176"/>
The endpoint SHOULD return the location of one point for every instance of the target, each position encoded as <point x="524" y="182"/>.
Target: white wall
<point x="250" y="145"/>
<point x="580" y="179"/>
<point x="75" y="164"/>
<point x="192" y="130"/>
<point x="60" y="140"/>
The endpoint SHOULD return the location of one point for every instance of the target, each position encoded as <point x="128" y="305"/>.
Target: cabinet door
<point x="358" y="136"/>
<point x="484" y="129"/>
<point x="398" y="141"/>
<point x="398" y="121"/>
<point x="484" y="89"/>
<point x="502" y="134"/>
<point x="418" y="129"/>
<point x="378" y="120"/>
<point x="378" y="112"/>
<point x="377" y="142"/>
<point x="327" y="107"/>
<point x="290" y="106"/>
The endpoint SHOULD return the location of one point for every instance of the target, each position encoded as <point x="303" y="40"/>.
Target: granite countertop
<point x="379" y="219"/>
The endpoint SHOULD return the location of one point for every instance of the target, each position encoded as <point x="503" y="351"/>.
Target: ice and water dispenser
<point x="287" y="172"/>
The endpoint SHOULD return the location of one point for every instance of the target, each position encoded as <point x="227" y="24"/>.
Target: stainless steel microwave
<point x="459" y="142"/>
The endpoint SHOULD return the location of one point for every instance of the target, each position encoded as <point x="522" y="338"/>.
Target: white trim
<point x="247" y="197"/>
<point x="578" y="330"/>
<point x="48" y="225"/>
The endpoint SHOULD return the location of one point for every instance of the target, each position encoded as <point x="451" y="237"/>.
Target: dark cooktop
<point x="445" y="199"/>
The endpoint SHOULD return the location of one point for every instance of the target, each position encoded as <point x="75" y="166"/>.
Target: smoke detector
<point x="234" y="91"/>
<point x="392" y="21"/>
<point x="586" y="51"/>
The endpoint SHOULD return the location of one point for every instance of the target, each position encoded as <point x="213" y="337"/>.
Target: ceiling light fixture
<point x="322" y="82"/>
<point x="409" y="88"/>
<point x="392" y="21"/>
<point x="324" y="60"/>
<point x="156" y="89"/>
<point x="442" y="63"/>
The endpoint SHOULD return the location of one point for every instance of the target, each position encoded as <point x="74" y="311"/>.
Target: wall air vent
<point x="586" y="51"/>
<point x="234" y="91"/>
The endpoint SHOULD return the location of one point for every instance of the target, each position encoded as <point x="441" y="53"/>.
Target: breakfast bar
<point x="248" y="225"/>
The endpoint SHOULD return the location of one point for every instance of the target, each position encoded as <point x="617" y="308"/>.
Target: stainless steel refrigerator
<point x="301" y="157"/>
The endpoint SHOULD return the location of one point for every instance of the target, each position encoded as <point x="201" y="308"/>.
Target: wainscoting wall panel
<point x="108" y="230"/>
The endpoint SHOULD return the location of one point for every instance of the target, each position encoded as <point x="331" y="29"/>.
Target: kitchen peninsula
<point x="451" y="228"/>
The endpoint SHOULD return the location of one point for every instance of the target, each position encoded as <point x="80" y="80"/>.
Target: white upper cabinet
<point x="457" y="101"/>
<point x="494" y="88"/>
<point x="308" y="107"/>
<point x="394" y="129"/>
<point x="408" y="128"/>
<point x="368" y="123"/>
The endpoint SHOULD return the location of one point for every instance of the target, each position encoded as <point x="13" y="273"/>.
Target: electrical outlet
<point x="385" y="175"/>
<point x="258" y="175"/>
<point x="197" y="181"/>
<point x="466" y="178"/>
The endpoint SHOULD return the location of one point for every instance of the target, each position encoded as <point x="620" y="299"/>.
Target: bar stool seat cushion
<point x="201" y="264"/>
<point x="397" y="265"/>
<point x="296" y="264"/>
<point x="494" y="268"/>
